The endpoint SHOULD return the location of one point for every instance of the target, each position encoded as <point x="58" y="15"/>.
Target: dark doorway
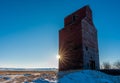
<point x="92" y="64"/>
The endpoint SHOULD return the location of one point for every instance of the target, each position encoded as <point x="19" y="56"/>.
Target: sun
<point x="58" y="56"/>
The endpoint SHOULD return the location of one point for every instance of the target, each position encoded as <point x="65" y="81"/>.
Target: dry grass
<point x="25" y="72"/>
<point x="32" y="75"/>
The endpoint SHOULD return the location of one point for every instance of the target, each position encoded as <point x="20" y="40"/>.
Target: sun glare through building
<point x="58" y="56"/>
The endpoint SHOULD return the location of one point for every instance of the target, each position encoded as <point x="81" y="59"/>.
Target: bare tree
<point x="106" y="65"/>
<point x="101" y="67"/>
<point x="117" y="65"/>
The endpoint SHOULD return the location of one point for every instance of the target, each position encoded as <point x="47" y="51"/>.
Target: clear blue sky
<point x="29" y="30"/>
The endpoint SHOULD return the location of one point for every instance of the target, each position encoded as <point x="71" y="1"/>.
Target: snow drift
<point x="89" y="76"/>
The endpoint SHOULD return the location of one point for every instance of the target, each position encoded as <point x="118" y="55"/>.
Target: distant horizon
<point x="30" y="67"/>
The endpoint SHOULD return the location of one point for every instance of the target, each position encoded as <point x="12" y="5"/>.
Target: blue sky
<point x="29" y="30"/>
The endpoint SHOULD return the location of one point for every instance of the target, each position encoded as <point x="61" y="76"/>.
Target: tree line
<point x="108" y="65"/>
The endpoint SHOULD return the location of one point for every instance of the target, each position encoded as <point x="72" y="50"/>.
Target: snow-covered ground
<point x="83" y="76"/>
<point x="29" y="78"/>
<point x="89" y="76"/>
